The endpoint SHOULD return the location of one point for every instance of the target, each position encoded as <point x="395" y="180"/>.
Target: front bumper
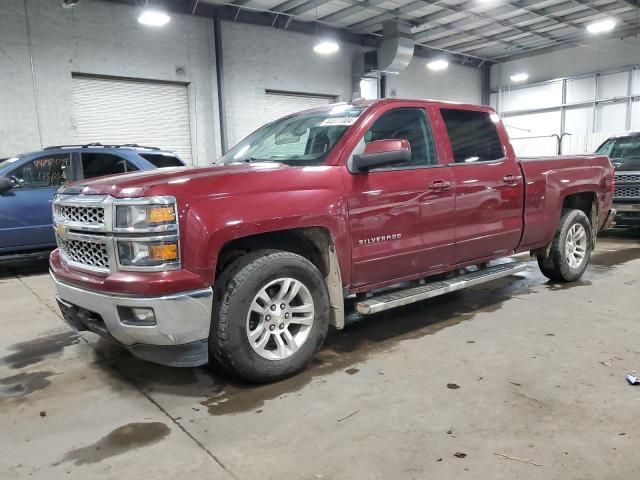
<point x="628" y="214"/>
<point x="178" y="338"/>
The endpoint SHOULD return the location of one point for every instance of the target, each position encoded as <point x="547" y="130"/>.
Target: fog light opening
<point x="137" y="316"/>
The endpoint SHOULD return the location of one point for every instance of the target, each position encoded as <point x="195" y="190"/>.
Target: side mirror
<point x="6" y="184"/>
<point x="382" y="153"/>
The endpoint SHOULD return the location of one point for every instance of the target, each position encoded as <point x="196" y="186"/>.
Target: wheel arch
<point x="313" y="243"/>
<point x="587" y="202"/>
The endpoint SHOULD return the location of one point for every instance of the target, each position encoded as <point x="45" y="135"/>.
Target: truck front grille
<point x="89" y="253"/>
<point x="626" y="191"/>
<point x="88" y="215"/>
<point x="628" y="177"/>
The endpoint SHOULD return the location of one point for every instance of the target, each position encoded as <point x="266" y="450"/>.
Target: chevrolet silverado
<point x="247" y="262"/>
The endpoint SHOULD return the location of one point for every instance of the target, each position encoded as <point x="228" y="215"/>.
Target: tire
<point x="239" y="311"/>
<point x="561" y="265"/>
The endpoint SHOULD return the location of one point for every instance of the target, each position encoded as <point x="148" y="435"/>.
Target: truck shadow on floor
<point x="362" y="338"/>
<point x="24" y="267"/>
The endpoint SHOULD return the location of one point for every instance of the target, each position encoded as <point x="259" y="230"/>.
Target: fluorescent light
<point x="154" y="18"/>
<point x="437" y="65"/>
<point x="325" y="47"/>
<point x="519" y="77"/>
<point x="601" y="26"/>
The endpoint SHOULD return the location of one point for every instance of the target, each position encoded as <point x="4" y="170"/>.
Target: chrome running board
<point x="399" y="298"/>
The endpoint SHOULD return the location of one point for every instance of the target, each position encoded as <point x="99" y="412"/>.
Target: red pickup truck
<point x="246" y="263"/>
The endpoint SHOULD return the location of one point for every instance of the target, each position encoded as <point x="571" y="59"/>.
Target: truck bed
<point x="549" y="180"/>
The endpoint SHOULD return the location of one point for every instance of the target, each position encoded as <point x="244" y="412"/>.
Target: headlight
<point x="155" y="214"/>
<point x="154" y="252"/>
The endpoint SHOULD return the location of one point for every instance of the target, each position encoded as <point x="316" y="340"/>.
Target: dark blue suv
<point x="29" y="181"/>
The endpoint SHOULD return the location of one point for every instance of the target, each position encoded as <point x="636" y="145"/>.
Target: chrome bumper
<point x="610" y="218"/>
<point x="182" y="319"/>
<point x="627" y="207"/>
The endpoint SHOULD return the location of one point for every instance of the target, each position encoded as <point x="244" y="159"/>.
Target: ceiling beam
<point x="539" y="50"/>
<point x="582" y="33"/>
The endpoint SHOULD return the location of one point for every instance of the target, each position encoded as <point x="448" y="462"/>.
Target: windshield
<point x="622" y="147"/>
<point x="304" y="139"/>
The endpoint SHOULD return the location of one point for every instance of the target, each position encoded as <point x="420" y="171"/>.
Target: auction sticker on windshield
<point x="328" y="122"/>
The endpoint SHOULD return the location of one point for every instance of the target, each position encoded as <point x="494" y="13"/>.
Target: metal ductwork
<point x="393" y="55"/>
<point x="396" y="49"/>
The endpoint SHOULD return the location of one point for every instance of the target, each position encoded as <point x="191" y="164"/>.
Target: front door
<point x="401" y="218"/>
<point x="489" y="186"/>
<point x="25" y="210"/>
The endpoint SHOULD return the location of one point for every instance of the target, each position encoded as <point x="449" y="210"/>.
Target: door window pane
<point x="473" y="135"/>
<point x="47" y="171"/>
<point x="409" y="124"/>
<point x="100" y="164"/>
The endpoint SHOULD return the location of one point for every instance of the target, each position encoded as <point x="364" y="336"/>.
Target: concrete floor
<point x="519" y="367"/>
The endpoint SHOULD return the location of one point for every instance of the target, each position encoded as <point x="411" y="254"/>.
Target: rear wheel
<point x="570" y="250"/>
<point x="271" y="315"/>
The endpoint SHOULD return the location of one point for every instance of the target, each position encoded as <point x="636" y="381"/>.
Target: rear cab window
<point x="162" y="160"/>
<point x="101" y="164"/>
<point x="473" y="135"/>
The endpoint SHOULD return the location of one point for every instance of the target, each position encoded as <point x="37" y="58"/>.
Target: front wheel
<point x="271" y="315"/>
<point x="571" y="248"/>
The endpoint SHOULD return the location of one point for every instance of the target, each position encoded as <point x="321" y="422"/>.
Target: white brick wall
<point x="262" y="58"/>
<point x="99" y="38"/>
<point x="457" y="83"/>
<point x="104" y="38"/>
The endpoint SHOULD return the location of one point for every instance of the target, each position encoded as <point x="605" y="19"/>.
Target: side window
<point x="47" y="171"/>
<point x="473" y="135"/>
<point x="410" y="124"/>
<point x="100" y="164"/>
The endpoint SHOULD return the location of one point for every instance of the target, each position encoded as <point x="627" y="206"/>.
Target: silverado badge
<point x="382" y="238"/>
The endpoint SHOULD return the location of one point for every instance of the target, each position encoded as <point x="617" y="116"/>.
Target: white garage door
<point x="112" y="111"/>
<point x="281" y="104"/>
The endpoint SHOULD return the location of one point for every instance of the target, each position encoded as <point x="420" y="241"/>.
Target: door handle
<point x="439" y="186"/>
<point x="512" y="179"/>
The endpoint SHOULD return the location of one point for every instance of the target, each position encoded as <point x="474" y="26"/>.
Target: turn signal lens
<point x="161" y="215"/>
<point x="164" y="252"/>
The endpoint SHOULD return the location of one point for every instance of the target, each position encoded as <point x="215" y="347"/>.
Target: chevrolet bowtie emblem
<point x="62" y="230"/>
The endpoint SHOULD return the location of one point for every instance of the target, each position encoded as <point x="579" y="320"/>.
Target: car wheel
<point x="570" y="250"/>
<point x="270" y="317"/>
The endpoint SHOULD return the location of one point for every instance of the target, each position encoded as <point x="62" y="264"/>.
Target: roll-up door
<point x="115" y="111"/>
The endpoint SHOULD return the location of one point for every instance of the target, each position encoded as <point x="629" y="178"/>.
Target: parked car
<point x="624" y="152"/>
<point x="247" y="262"/>
<point x="29" y="181"/>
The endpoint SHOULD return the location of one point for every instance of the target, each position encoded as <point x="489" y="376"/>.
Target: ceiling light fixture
<point x="153" y="18"/>
<point x="519" y="77"/>
<point x="437" y="65"/>
<point x="326" y="47"/>
<point x="601" y="26"/>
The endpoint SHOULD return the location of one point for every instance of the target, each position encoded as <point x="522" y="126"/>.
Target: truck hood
<point x="137" y="184"/>
<point x="626" y="164"/>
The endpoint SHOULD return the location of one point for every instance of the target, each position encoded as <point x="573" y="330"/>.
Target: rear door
<point x="25" y="210"/>
<point x="401" y="218"/>
<point x="488" y="183"/>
